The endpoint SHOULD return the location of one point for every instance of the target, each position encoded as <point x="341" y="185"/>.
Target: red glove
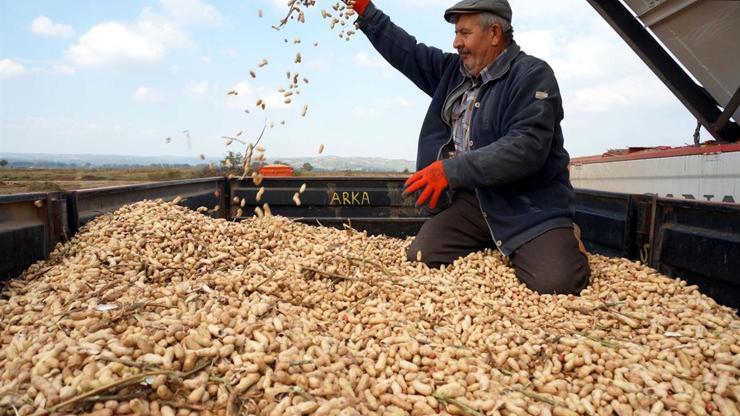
<point x="432" y="178"/>
<point x="360" y="6"/>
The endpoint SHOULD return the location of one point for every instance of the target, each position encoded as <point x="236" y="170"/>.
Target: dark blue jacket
<point x="518" y="167"/>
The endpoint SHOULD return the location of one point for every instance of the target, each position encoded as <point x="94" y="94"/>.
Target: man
<point x="492" y="138"/>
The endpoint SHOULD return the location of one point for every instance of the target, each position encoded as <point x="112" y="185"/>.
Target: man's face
<point x="477" y="47"/>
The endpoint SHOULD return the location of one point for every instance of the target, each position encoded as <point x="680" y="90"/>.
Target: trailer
<point x="709" y="172"/>
<point x="179" y="329"/>
<point x="693" y="240"/>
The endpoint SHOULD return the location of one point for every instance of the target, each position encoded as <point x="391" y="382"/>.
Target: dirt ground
<point x="15" y="187"/>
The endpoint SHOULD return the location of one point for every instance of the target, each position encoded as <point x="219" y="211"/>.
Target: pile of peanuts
<point x="158" y="310"/>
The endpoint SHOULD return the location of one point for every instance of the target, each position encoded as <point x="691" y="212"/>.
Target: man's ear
<point x="497" y="35"/>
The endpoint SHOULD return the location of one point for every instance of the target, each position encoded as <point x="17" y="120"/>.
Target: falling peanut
<point x="257" y="178"/>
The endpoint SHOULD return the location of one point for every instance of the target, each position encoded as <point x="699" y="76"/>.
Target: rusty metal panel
<point x="30" y="225"/>
<point x="88" y="204"/>
<point x="370" y="204"/>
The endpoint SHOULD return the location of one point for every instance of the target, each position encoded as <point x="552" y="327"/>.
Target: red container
<point x="276" y="170"/>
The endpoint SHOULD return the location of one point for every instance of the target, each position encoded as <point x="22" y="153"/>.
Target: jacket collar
<point x="498" y="67"/>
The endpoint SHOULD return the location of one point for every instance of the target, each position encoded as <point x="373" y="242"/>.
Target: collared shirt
<point x="462" y="111"/>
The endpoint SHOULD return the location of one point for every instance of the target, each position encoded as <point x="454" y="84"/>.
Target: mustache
<point x="463" y="51"/>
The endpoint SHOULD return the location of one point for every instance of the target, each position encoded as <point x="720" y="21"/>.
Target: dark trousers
<point x="552" y="263"/>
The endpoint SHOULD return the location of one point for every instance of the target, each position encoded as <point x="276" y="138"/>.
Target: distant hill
<point x="362" y="164"/>
<point x="48" y="160"/>
<point x="77" y="161"/>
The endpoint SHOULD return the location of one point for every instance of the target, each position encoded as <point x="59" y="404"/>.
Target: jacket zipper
<point x="442" y="115"/>
<point x="490" y="230"/>
<point x="477" y="194"/>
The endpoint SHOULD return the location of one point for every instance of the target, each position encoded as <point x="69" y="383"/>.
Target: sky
<point x="121" y="77"/>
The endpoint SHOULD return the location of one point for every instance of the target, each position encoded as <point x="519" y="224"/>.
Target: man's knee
<point x="417" y="251"/>
<point x="564" y="278"/>
<point x="565" y="283"/>
<point x="413" y="252"/>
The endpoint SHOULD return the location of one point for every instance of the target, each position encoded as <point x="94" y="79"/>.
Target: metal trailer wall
<point x="710" y="177"/>
<point x="30" y="226"/>
<point x="692" y="240"/>
<point x="84" y="205"/>
<point x="374" y="205"/>
<point x="696" y="241"/>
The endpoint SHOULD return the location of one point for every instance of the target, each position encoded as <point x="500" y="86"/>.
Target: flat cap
<point x="498" y="7"/>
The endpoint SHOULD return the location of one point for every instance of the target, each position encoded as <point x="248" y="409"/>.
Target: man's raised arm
<point x="420" y="63"/>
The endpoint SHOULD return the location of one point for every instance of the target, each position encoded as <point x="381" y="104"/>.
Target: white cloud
<point x="403" y="102"/>
<point x="427" y="3"/>
<point x="276" y="100"/>
<point x="62" y="69"/>
<point x="244" y="100"/>
<point x="199" y="88"/>
<point x="279" y="4"/>
<point x="243" y="88"/>
<point x="364" y="60"/>
<point x="146" y="40"/>
<point x="247" y="98"/>
<point x="596" y="71"/>
<point x="42" y="25"/>
<point x="113" y="43"/>
<point x="10" y="68"/>
<point x="146" y="95"/>
<point x="365" y="112"/>
<point x="192" y="12"/>
<point x="617" y="95"/>
<point x="597" y="99"/>
<point x="548" y="10"/>
<point x="540" y="43"/>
